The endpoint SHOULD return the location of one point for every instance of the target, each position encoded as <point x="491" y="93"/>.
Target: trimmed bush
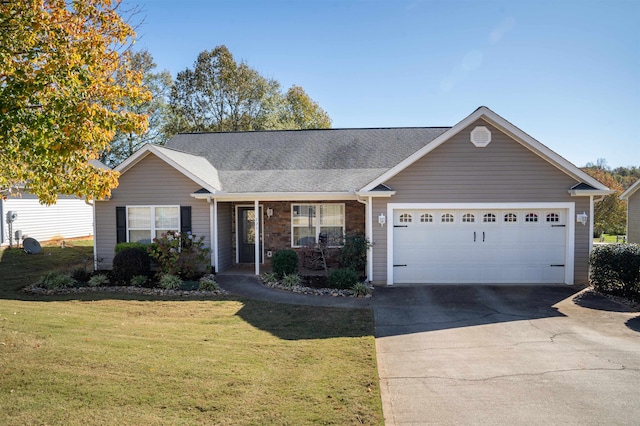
<point x="343" y="279"/>
<point x="123" y="246"/>
<point x="284" y="262"/>
<point x="130" y="262"/>
<point x="615" y="269"/>
<point x="81" y="275"/>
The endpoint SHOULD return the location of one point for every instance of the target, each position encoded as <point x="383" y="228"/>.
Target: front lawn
<point x="103" y="358"/>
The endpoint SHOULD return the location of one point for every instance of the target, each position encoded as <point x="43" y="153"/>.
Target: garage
<point x="482" y="244"/>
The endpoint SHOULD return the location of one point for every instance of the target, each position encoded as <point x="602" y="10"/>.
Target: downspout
<point x="591" y="221"/>
<point x="256" y="228"/>
<point x="368" y="229"/>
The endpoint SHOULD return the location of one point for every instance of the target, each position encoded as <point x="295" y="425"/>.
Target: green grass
<point x="606" y="238"/>
<point x="115" y="359"/>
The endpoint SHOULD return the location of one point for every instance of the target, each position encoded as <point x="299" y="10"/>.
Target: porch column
<point x="256" y="224"/>
<point x="368" y="226"/>
<point x="213" y="210"/>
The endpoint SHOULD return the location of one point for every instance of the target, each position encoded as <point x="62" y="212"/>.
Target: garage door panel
<point x="468" y="249"/>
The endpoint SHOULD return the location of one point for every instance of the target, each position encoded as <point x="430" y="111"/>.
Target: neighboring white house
<point x="70" y="217"/>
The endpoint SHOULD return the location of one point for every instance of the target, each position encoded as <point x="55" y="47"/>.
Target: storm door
<point x="247" y="234"/>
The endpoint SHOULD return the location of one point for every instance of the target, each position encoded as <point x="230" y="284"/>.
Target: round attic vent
<point x="480" y="136"/>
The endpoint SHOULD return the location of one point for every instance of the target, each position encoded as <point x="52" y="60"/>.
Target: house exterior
<point x="479" y="202"/>
<point x="632" y="196"/>
<point x="70" y="217"/>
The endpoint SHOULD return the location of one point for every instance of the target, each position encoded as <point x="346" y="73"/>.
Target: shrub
<point x="139" y="280"/>
<point x="354" y="252"/>
<point x="54" y="280"/>
<point x="130" y="262"/>
<point x="291" y="280"/>
<point x="284" y="262"/>
<point x="170" y="282"/>
<point x="615" y="269"/>
<point x="344" y="278"/>
<point x="123" y="246"/>
<point x="269" y="277"/>
<point x="208" y="283"/>
<point x="178" y="254"/>
<point x="360" y="289"/>
<point x="98" y="280"/>
<point x="80" y="275"/>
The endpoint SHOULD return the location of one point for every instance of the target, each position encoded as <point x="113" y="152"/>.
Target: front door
<point x="247" y="235"/>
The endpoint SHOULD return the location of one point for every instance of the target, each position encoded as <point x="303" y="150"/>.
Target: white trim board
<point x="570" y="228"/>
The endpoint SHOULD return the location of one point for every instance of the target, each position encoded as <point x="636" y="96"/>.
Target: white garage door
<point x="479" y="246"/>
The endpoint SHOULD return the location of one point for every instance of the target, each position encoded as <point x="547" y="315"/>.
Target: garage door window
<point x="446" y="218"/>
<point x="510" y="217"/>
<point x="468" y="218"/>
<point x="405" y="218"/>
<point x="531" y="217"/>
<point x="489" y="218"/>
<point x="426" y="218"/>
<point x="553" y="217"/>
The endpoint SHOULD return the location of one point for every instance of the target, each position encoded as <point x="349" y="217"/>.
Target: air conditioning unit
<point x="11" y="216"/>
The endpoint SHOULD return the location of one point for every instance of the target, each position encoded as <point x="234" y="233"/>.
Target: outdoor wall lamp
<point x="582" y="218"/>
<point x="382" y="219"/>
<point x="269" y="212"/>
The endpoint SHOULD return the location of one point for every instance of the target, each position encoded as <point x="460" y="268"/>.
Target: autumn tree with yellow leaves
<point x="66" y="88"/>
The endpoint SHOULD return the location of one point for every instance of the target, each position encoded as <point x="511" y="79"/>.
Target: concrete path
<point x="494" y="355"/>
<point x="482" y="355"/>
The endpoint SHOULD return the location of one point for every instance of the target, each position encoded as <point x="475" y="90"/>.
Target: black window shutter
<point x="121" y="224"/>
<point x="185" y="219"/>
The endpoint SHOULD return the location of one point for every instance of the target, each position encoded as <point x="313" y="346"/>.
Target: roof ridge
<point x="313" y="130"/>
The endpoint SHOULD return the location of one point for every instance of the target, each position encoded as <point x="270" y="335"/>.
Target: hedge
<point x="615" y="269"/>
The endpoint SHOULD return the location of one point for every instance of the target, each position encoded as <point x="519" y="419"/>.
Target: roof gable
<point x="630" y="191"/>
<point x="503" y="125"/>
<point x="192" y="166"/>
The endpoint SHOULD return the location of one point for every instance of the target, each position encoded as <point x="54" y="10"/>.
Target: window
<point x="426" y="217"/>
<point x="511" y="217"/>
<point x="489" y="218"/>
<point x="405" y="218"/>
<point x="468" y="218"/>
<point x="553" y="217"/>
<point x="446" y="218"/>
<point x="313" y="223"/>
<point x="531" y="217"/>
<point x="144" y="223"/>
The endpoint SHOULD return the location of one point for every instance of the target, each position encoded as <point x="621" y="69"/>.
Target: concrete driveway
<point x="500" y="355"/>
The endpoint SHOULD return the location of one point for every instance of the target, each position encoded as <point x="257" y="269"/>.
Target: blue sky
<point x="567" y="72"/>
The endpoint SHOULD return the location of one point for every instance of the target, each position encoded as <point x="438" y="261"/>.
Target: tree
<point x="610" y="214"/>
<point x="157" y="110"/>
<point x="219" y="94"/>
<point x="64" y="92"/>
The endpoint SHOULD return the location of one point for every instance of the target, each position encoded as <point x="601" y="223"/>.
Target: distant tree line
<point x="610" y="214"/>
<point x="218" y="94"/>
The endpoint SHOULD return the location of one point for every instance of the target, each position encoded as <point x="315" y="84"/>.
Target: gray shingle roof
<point x="330" y="160"/>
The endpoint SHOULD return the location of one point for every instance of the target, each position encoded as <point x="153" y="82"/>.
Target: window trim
<point x="318" y="225"/>
<point x="152" y="210"/>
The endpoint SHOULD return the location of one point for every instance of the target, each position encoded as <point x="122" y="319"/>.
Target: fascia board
<point x="589" y="192"/>
<point x="133" y="159"/>
<point x="630" y="191"/>
<point x="277" y="196"/>
<point x="376" y="194"/>
<point x="505" y="126"/>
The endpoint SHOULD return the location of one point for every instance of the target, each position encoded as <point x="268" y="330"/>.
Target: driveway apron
<point x="487" y="355"/>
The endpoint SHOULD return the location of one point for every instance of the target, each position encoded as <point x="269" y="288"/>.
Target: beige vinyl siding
<point x="458" y="172"/>
<point x="633" y="218"/>
<point x="225" y="225"/>
<point x="70" y="217"/>
<point x="151" y="182"/>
